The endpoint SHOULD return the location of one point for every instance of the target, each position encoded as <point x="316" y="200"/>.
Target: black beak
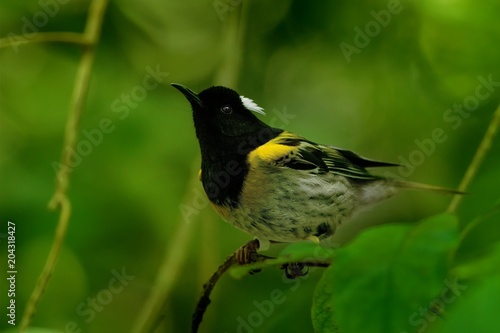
<point x="191" y="96"/>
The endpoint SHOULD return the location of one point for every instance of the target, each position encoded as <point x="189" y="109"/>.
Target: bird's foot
<point x="295" y="270"/>
<point x="247" y="254"/>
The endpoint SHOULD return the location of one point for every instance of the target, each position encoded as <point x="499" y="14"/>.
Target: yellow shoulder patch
<point x="271" y="150"/>
<point x="199" y="175"/>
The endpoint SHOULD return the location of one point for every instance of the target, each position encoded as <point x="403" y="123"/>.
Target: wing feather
<point x="308" y="155"/>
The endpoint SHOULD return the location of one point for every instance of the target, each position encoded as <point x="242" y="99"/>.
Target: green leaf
<point x="322" y="308"/>
<point x="480" y="235"/>
<point x="480" y="267"/>
<point x="380" y="282"/>
<point x="476" y="309"/>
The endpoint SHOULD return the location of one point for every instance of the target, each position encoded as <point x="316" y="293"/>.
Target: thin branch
<point x="292" y="270"/>
<point x="45" y="37"/>
<point x="204" y="300"/>
<point x="233" y="47"/>
<point x="477" y="160"/>
<point x="60" y="199"/>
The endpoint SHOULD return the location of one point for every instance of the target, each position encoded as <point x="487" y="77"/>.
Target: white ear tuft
<point x="250" y="105"/>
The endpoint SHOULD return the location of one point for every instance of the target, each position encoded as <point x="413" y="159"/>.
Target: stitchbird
<point x="275" y="185"/>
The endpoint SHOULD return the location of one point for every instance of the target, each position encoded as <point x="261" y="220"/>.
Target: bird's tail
<point x="425" y="187"/>
<point x="376" y="191"/>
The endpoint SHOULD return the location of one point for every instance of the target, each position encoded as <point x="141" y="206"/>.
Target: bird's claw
<point x="295" y="270"/>
<point x="247" y="254"/>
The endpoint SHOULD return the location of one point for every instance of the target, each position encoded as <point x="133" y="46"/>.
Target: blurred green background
<point x="377" y="92"/>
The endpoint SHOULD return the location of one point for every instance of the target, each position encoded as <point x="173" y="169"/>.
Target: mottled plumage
<point x="273" y="184"/>
<point x="296" y="189"/>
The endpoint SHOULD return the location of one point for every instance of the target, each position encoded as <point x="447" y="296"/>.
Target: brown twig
<point x="232" y="260"/>
<point x="204" y="300"/>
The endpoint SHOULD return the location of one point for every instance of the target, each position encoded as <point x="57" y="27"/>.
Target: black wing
<point x="308" y="155"/>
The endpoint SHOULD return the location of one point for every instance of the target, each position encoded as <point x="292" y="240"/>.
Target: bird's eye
<point x="226" y="109"/>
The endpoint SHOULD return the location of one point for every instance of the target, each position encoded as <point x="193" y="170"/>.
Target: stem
<point x="60" y="199"/>
<point x="478" y="158"/>
<point x="176" y="251"/>
<point x="228" y="73"/>
<point x="44" y="37"/>
<point x="204" y="300"/>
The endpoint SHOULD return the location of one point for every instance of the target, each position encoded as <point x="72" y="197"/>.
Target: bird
<point x="275" y="185"/>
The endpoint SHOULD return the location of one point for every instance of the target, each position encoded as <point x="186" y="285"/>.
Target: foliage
<point x="420" y="91"/>
<point x="380" y="282"/>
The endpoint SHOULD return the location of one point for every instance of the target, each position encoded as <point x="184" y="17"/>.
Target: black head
<point x="220" y="114"/>
<point x="227" y="131"/>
